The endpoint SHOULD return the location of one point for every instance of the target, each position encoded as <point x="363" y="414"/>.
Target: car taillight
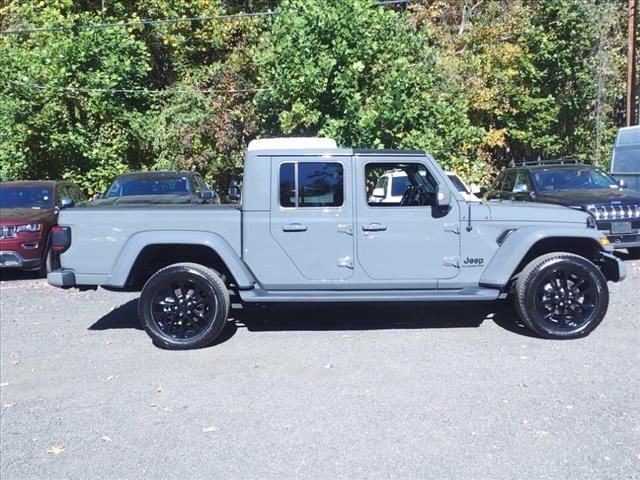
<point x="60" y="238"/>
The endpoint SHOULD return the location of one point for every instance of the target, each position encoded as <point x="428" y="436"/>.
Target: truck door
<point x="312" y="214"/>
<point x="410" y="239"/>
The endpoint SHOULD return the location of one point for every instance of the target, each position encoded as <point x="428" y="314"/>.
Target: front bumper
<point x="11" y="259"/>
<point x="624" y="241"/>
<point x="612" y="267"/>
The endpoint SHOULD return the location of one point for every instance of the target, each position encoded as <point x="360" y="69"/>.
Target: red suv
<point x="28" y="210"/>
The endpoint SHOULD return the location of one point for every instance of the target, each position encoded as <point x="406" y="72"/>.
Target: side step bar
<point x="277" y="296"/>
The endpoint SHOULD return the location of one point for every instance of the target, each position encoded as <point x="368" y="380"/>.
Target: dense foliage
<point x="477" y="83"/>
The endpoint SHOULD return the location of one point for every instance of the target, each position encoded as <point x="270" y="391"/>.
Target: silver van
<point x="625" y="162"/>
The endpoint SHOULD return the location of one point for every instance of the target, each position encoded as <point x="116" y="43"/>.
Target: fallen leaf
<point x="328" y="365"/>
<point x="541" y="433"/>
<point x="524" y="421"/>
<point x="209" y="429"/>
<point x="106" y="439"/>
<point x="56" y="449"/>
<point x="9" y="405"/>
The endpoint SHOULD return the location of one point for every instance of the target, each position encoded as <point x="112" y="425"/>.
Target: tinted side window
<point x="523" y="179"/>
<point x="311" y="184"/>
<point x="495" y="189"/>
<point x="63" y="192"/>
<point x="288" y="184"/>
<point x="509" y="181"/>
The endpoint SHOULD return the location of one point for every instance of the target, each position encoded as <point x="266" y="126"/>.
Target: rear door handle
<point x="374" y="227"/>
<point x="294" y="227"/>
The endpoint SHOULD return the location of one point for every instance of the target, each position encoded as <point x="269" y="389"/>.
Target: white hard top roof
<point x="291" y="143"/>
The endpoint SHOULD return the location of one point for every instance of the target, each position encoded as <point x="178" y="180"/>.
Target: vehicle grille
<point x="614" y="212"/>
<point x="8" y="232"/>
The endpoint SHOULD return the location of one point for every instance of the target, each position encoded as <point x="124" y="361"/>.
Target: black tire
<point x="184" y="306"/>
<point x="50" y="262"/>
<point x="561" y="295"/>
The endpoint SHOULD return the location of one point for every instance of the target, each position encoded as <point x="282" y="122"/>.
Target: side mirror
<point x="207" y="194"/>
<point x="443" y="198"/>
<point x="234" y="191"/>
<point x="67" y="203"/>
<point x="378" y="192"/>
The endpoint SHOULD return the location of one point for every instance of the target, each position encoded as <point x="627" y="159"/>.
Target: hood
<point x="515" y="211"/>
<point x="600" y="196"/>
<point x="143" y="200"/>
<point x="20" y="216"/>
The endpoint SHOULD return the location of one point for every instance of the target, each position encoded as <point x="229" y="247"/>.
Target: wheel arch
<point x="522" y="247"/>
<point x="148" y="252"/>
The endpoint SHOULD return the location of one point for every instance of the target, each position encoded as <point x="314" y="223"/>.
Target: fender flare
<point x="134" y="246"/>
<point x="516" y="246"/>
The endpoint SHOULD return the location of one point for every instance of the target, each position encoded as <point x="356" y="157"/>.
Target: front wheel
<point x="184" y="306"/>
<point x="561" y="295"/>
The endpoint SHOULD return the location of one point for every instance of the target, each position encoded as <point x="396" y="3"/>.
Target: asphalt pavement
<point x="392" y="391"/>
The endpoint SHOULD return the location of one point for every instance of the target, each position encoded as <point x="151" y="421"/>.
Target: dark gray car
<point x="158" y="188"/>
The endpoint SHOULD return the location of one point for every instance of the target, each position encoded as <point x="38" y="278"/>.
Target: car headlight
<point x="31" y="227"/>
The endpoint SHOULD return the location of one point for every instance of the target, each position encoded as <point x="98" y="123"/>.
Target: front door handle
<point x="294" y="227"/>
<point x="374" y="227"/>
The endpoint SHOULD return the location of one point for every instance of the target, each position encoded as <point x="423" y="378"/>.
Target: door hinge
<point x="451" y="262"/>
<point x="345" y="228"/>
<point x="452" y="227"/>
<point x="345" y="262"/>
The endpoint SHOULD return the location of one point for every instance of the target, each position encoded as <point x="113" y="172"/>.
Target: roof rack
<point x="561" y="161"/>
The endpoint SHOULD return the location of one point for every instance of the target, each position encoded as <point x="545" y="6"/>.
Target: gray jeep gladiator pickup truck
<point x="306" y="231"/>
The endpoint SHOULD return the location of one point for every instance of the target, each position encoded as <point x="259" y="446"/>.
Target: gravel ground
<point x="353" y="391"/>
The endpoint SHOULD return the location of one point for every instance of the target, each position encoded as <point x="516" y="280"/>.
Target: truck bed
<point x="104" y="237"/>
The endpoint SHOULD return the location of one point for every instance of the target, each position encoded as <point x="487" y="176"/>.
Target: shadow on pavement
<point x="11" y="274"/>
<point x="344" y="316"/>
<point x="125" y="316"/>
<point x="378" y="316"/>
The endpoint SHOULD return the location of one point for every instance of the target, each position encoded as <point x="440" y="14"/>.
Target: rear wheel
<point x="184" y="306"/>
<point x="561" y="295"/>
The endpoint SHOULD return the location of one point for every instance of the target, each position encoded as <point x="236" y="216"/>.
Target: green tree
<point x="49" y="126"/>
<point x="365" y="76"/>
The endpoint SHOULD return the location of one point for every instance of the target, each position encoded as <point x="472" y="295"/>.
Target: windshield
<point x="148" y="186"/>
<point x="572" y="179"/>
<point x="26" y="197"/>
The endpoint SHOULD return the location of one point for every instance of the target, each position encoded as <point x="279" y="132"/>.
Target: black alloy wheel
<point x="184" y="306"/>
<point x="567" y="298"/>
<point x="561" y="295"/>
